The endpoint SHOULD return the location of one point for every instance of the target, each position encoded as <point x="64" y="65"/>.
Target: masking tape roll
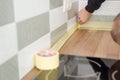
<point x="47" y="63"/>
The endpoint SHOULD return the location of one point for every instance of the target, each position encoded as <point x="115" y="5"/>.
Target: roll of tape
<point x="47" y="63"/>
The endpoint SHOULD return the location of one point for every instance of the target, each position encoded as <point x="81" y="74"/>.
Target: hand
<point x="83" y="16"/>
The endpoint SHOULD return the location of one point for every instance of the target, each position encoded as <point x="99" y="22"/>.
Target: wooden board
<point x="93" y="43"/>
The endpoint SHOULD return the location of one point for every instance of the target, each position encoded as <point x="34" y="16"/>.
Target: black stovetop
<point x="80" y="68"/>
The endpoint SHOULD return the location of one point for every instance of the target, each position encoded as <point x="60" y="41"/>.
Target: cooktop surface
<point x="82" y="68"/>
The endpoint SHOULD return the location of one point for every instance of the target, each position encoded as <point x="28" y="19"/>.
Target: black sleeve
<point x="93" y="5"/>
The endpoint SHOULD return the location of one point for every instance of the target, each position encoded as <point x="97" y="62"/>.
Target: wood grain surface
<point x="93" y="43"/>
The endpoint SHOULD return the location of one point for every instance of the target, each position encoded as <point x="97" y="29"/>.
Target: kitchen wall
<point x="106" y="13"/>
<point x="27" y="26"/>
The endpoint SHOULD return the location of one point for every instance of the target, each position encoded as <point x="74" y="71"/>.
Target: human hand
<point x="83" y="16"/>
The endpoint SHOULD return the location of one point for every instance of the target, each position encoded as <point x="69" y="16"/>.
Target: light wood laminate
<point x="31" y="74"/>
<point x="92" y="43"/>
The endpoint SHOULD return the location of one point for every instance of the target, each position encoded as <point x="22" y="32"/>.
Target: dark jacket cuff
<point x="89" y="9"/>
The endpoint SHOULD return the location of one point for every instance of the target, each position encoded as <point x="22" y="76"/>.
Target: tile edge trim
<point x="64" y="38"/>
<point x="95" y="25"/>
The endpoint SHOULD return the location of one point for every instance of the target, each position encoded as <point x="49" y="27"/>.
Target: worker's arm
<point x="93" y="5"/>
<point x="85" y="13"/>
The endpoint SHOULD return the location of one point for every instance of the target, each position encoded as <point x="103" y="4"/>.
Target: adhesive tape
<point x="47" y="63"/>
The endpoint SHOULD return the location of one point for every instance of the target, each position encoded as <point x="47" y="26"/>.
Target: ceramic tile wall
<point x="27" y="26"/>
<point x="6" y="12"/>
<point x="32" y="29"/>
<point x="9" y="69"/>
<point x="56" y="34"/>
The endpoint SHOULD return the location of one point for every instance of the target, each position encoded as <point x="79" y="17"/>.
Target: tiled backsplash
<point x="9" y="70"/>
<point x="73" y="11"/>
<point x="6" y="12"/>
<point x="27" y="26"/>
<point x="56" y="34"/>
<point x="8" y="42"/>
<point x="32" y="29"/>
<point x="55" y="3"/>
<point x="57" y="18"/>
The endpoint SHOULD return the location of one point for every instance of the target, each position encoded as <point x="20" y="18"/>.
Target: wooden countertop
<point x="93" y="43"/>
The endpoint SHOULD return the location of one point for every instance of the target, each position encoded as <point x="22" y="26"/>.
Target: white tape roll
<point x="47" y="62"/>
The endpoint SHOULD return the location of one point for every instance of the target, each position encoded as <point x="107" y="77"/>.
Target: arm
<point x="85" y="13"/>
<point x="93" y="5"/>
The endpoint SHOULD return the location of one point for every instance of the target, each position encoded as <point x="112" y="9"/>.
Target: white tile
<point x="57" y="18"/>
<point x="82" y="4"/>
<point x="26" y="55"/>
<point x="109" y="8"/>
<point x="8" y="42"/>
<point x="28" y="8"/>
<point x="74" y="0"/>
<point x="71" y="23"/>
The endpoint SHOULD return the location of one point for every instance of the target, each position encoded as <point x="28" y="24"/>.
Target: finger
<point x="81" y="21"/>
